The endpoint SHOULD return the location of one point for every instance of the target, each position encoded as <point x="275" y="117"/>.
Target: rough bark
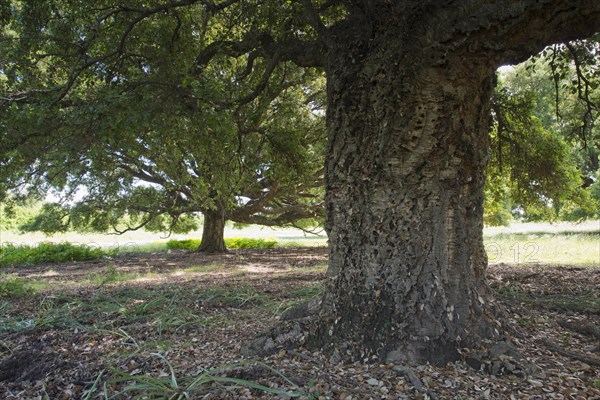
<point x="213" y="231"/>
<point x="409" y="88"/>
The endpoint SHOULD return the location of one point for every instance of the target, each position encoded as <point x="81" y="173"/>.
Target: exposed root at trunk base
<point x="293" y="331"/>
<point x="501" y="358"/>
<point x="299" y="324"/>
<point x="284" y="336"/>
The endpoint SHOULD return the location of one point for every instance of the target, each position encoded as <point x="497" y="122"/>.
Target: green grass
<point x="39" y="285"/>
<point x="582" y="248"/>
<point x="16" y="255"/>
<point x="171" y="386"/>
<point x="154" y="311"/>
<point x="131" y="309"/>
<point x="316" y="268"/>
<point x="307" y="291"/>
<point x="233" y="297"/>
<point x="140" y="247"/>
<point x="13" y="287"/>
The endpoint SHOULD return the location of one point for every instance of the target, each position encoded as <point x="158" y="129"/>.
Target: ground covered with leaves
<point x="171" y="325"/>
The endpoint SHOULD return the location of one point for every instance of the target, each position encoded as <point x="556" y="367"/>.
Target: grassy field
<point x="521" y="243"/>
<point x="557" y="244"/>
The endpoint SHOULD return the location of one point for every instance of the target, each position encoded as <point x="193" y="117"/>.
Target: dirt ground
<point x="170" y="319"/>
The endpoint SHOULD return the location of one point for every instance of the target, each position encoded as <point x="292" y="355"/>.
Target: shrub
<point x="231" y="243"/>
<point x="186" y="244"/>
<point x="246" y="243"/>
<point x="11" y="255"/>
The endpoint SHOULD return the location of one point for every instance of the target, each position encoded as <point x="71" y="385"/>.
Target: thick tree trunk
<point x="408" y="147"/>
<point x="213" y="231"/>
<point x="409" y="87"/>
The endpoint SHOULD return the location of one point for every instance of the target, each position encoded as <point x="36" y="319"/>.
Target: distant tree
<point x="532" y="167"/>
<point x="151" y="137"/>
<point x="545" y="137"/>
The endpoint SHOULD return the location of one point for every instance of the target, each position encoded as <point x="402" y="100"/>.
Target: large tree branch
<point x="278" y="216"/>
<point x="512" y="31"/>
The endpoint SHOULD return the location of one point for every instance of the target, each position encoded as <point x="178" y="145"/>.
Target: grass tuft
<point x="13" y="287"/>
<point x="170" y="386"/>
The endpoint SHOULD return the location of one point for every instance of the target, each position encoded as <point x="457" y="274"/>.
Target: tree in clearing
<point x="152" y="140"/>
<point x="409" y="86"/>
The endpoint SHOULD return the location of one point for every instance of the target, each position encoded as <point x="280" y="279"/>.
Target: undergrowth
<point x="230" y="243"/>
<point x="15" y="255"/>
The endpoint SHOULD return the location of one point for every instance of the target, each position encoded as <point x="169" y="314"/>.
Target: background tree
<point x="545" y="137"/>
<point x="408" y="92"/>
<point x="151" y="138"/>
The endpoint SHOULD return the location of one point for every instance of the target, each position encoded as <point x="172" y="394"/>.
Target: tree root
<point x="595" y="361"/>
<point x="584" y="329"/>
<point x="501" y="358"/>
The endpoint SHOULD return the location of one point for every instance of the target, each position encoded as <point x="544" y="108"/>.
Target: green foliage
<point x="14" y="214"/>
<point x="184" y="244"/>
<point x="591" y="210"/>
<point x="248" y="243"/>
<point x="51" y="218"/>
<point x="533" y="169"/>
<point x="13" y="255"/>
<point x="12" y="286"/>
<point x="231" y="243"/>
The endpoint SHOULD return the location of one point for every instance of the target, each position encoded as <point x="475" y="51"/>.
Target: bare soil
<point x="198" y="310"/>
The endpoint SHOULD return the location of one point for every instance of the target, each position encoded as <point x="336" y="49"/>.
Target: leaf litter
<point x="175" y="330"/>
